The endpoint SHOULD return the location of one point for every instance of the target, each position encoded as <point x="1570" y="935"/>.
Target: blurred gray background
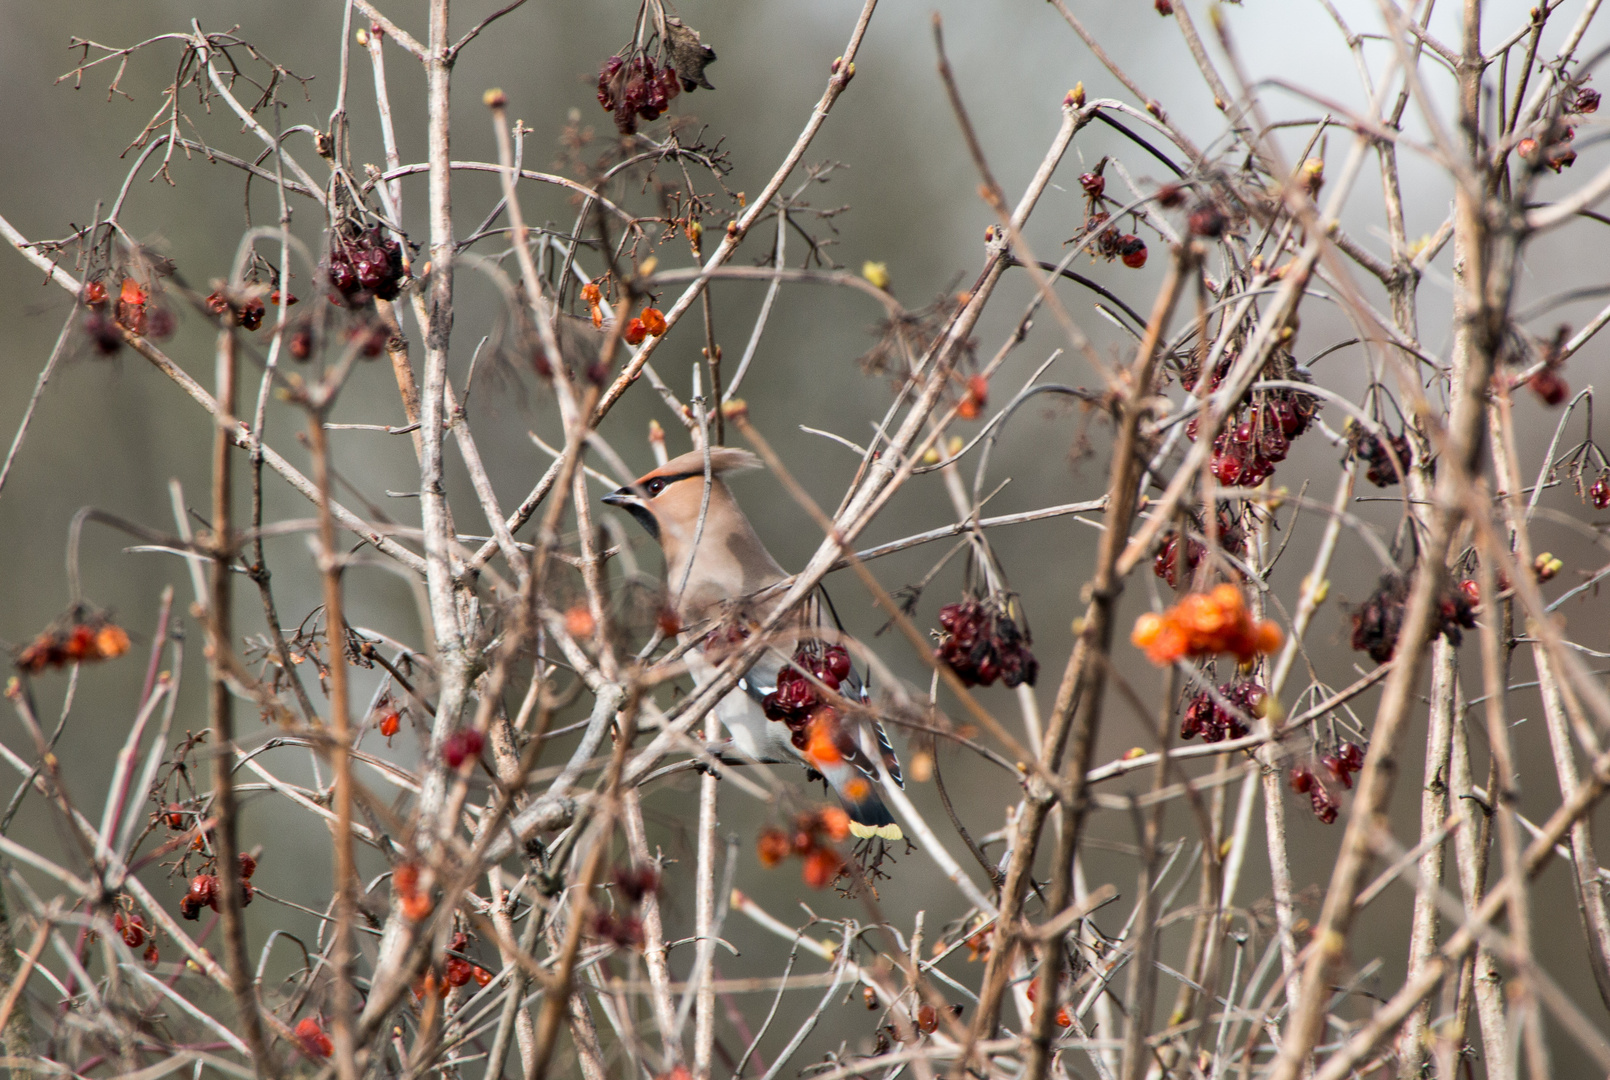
<point x="112" y="433"/>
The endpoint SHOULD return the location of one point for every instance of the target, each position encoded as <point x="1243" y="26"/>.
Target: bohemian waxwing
<point x="720" y="584"/>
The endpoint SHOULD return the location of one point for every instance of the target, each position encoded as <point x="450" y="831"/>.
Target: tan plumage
<point x="721" y="574"/>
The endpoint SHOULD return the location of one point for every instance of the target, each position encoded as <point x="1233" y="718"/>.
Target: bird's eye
<point x="655" y="486"/>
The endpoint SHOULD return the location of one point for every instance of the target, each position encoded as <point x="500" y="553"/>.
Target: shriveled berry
<point x="1206" y="220"/>
<point x="1093" y="185"/>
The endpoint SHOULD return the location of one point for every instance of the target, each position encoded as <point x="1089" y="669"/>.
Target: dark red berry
<point x="461" y="746"/>
<point x="1549" y="386"/>
<point x="1586" y="101"/>
<point x="1133" y="250"/>
<point x="1206" y="220"/>
<point x="1093" y="185"/>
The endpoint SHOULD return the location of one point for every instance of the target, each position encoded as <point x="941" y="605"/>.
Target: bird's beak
<point x="629" y="499"/>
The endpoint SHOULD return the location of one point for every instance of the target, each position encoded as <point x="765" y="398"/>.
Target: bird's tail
<point x="859" y="797"/>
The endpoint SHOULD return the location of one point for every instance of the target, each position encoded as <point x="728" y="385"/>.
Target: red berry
<point x="389" y="724"/>
<point x="1586" y="101"/>
<point x="1164" y="7"/>
<point x="1093" y="185"/>
<point x="1549" y="386"/>
<point x="1206" y="220"/>
<point x="1133" y="250"/>
<point x="248" y="865"/>
<point x="1599" y="493"/>
<point x="635" y="332"/>
<point x="462" y="745"/>
<point x="1302" y="779"/>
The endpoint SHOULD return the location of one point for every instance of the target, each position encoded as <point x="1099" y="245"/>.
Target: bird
<point x="721" y="581"/>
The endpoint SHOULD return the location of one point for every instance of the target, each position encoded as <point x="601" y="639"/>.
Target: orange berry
<point x="927" y="1019"/>
<point x="131" y="293"/>
<point x="389" y="724"/>
<point x="1063" y="1019"/>
<point x="598" y="317"/>
<point x="481" y="976"/>
<point x="654" y="321"/>
<point x="773" y="847"/>
<point x="405" y="879"/>
<point x="590" y="293"/>
<point x="111" y="641"/>
<point x="1148" y="628"/>
<point x="822" y="868"/>
<point x="1268" y="637"/>
<point x="579" y="622"/>
<point x="635" y="332"/>
<point x="836" y="823"/>
<point x="416" y="908"/>
<point x="80" y="643"/>
<point x="822" y="747"/>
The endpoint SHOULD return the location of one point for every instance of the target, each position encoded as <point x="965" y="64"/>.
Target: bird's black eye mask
<point x="650" y="488"/>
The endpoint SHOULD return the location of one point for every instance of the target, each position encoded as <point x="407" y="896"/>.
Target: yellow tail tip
<point x="882" y="832"/>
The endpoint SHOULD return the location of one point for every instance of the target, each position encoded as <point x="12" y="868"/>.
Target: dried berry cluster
<point x="1378" y="621"/>
<point x="1374" y="452"/>
<point x="134" y="312"/>
<point x="1032" y="992"/>
<point x="1304" y="782"/>
<point x="1257" y="439"/>
<point x="363" y="266"/>
<point x="981" y="643"/>
<point x="205" y="890"/>
<point x="463" y="745"/>
<point x="798" y="702"/>
<point x="456" y="971"/>
<point x="1204" y="716"/>
<point x="1556" y="152"/>
<point x="808" y="840"/>
<point x="625" y="930"/>
<point x="1166" y="563"/>
<point x="636" y="89"/>
<point x="244" y="309"/>
<point x="1110" y="243"/>
<point x="1205" y="624"/>
<point x="131" y="929"/>
<point x="1343" y="762"/>
<point x="79" y="636"/>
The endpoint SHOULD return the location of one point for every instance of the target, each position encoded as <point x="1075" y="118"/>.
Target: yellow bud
<point x="362" y="37"/>
<point x="1224" y="848"/>
<point x="877" y="273"/>
<point x="954" y="446"/>
<point x="494" y="98"/>
<point x="921" y="767"/>
<point x="1076" y="96"/>
<point x="656" y="434"/>
<point x="648" y="267"/>
<point x="1134" y="752"/>
<point x="931" y="456"/>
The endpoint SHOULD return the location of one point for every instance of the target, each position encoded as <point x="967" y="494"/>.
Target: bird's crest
<point x="723" y="459"/>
